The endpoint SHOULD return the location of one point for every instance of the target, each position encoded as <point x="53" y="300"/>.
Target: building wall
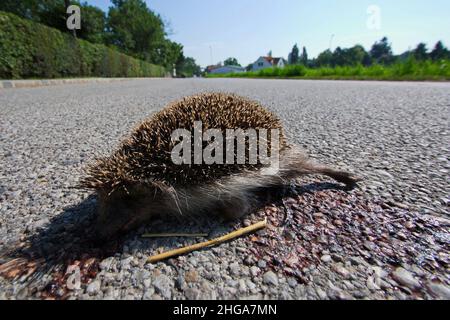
<point x="281" y="64"/>
<point x="261" y="63"/>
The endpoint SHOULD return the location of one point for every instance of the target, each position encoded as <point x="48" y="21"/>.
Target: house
<point x="268" y="62"/>
<point x="210" y="68"/>
<point x="227" y="69"/>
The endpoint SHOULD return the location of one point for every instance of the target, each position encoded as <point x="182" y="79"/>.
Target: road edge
<point x="9" y="84"/>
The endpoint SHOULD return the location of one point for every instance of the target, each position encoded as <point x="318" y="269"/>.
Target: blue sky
<point x="247" y="29"/>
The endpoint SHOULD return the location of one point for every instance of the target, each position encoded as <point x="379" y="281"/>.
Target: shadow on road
<point x="69" y="239"/>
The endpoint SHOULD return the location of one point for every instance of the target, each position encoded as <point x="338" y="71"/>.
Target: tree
<point x="353" y="56"/>
<point x="231" y="62"/>
<point x="439" y="52"/>
<point x="381" y="52"/>
<point x="304" y="57"/>
<point x="294" y="55"/>
<point x="25" y="8"/>
<point x="339" y="57"/>
<point x="53" y="14"/>
<point x="187" y="67"/>
<point x="324" y="59"/>
<point x="367" y="60"/>
<point x="134" y="28"/>
<point x="269" y="54"/>
<point x="420" y="53"/>
<point x="357" y="55"/>
<point x="93" y="23"/>
<point x="168" y="54"/>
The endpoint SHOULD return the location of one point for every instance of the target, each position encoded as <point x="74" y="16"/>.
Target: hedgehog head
<point x="126" y="208"/>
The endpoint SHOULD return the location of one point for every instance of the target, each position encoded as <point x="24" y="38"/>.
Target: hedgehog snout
<point x="112" y="217"/>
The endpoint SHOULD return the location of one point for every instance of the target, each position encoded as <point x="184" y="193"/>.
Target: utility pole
<point x="331" y="41"/>
<point x="211" y="54"/>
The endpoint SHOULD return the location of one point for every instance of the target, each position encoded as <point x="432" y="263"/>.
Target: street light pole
<point x="331" y="41"/>
<point x="211" y="55"/>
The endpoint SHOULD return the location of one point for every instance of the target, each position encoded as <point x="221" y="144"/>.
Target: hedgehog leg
<point x="295" y="163"/>
<point x="344" y="177"/>
<point x="234" y="208"/>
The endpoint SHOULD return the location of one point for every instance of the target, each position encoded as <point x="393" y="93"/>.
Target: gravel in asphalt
<point x="387" y="239"/>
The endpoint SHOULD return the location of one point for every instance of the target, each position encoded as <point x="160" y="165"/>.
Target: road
<point x="389" y="238"/>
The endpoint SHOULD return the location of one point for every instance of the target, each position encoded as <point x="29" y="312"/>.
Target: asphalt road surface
<point x="387" y="239"/>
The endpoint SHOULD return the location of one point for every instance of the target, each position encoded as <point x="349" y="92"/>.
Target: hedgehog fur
<point x="140" y="181"/>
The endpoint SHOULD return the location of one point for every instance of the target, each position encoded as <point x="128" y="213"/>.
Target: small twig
<point x="170" y="235"/>
<point x="209" y="243"/>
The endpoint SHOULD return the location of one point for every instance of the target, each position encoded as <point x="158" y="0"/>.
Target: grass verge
<point x="409" y="70"/>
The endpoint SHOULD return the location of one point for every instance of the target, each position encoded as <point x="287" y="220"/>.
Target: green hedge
<point x="32" y="50"/>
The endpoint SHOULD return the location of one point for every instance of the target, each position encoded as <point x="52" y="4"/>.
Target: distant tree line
<point x="129" y="26"/>
<point x="380" y="53"/>
<point x="231" y="62"/>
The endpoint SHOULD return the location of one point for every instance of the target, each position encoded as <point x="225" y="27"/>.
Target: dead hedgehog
<point x="141" y="180"/>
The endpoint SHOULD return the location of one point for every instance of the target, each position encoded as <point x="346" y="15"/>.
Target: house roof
<point x="268" y="59"/>
<point x="213" y="67"/>
<point x="272" y="60"/>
